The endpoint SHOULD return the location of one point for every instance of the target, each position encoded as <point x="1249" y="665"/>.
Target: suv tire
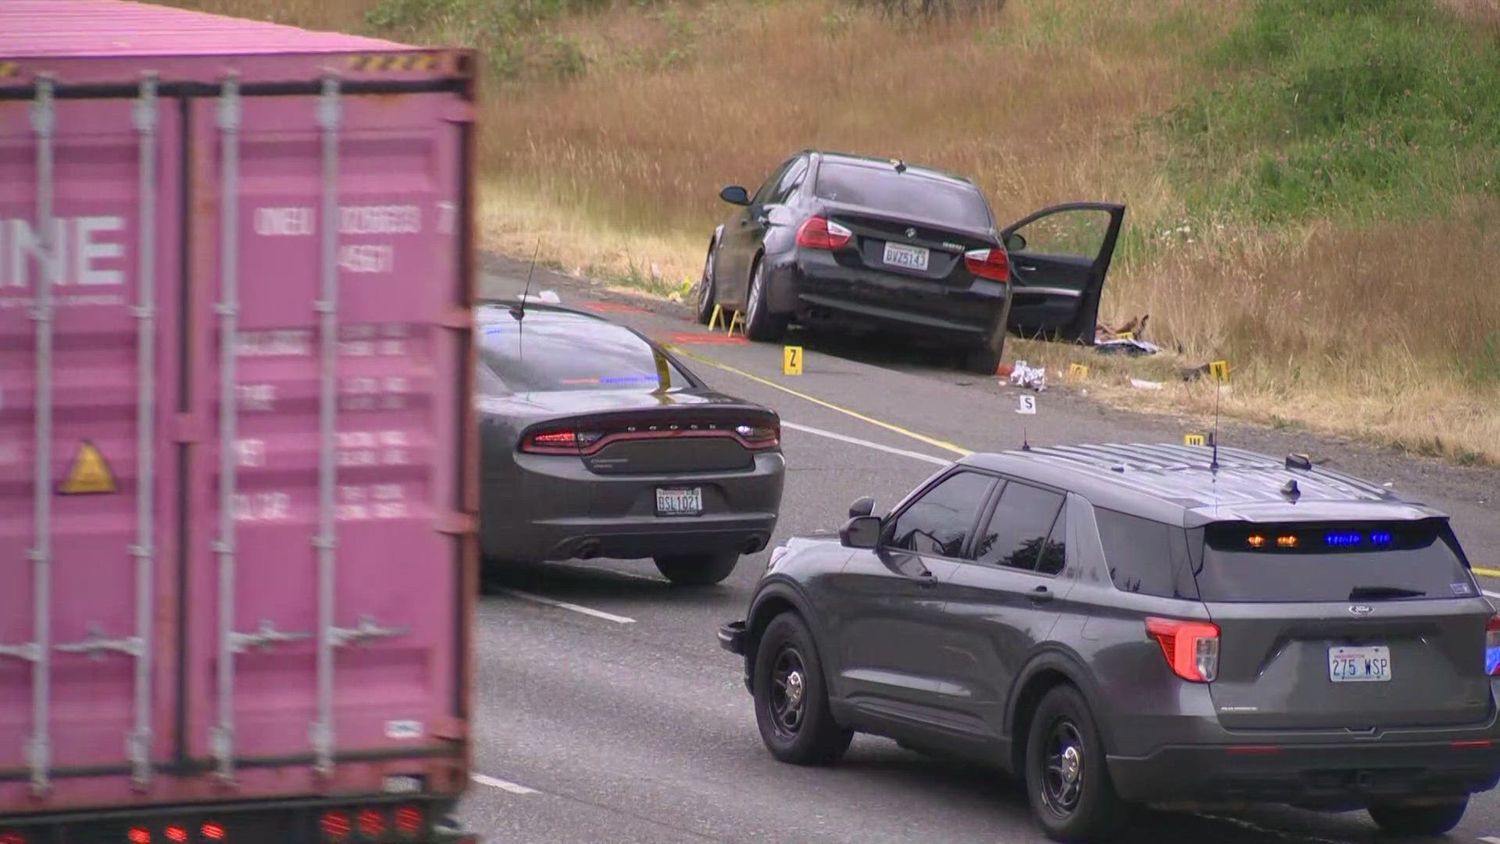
<point x="1067" y="782"/>
<point x="1422" y="820"/>
<point x="791" y="697"/>
<point x="697" y="569"/>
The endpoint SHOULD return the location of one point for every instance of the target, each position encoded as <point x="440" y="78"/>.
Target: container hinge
<point x="43" y="108"/>
<point x="138" y="750"/>
<point x="39" y="754"/>
<point x="328" y="104"/>
<point x="143" y="114"/>
<point x="264" y="637"/>
<point x="229" y="105"/>
<point x="321" y="735"/>
<point x="96" y="645"/>
<point x="367" y="629"/>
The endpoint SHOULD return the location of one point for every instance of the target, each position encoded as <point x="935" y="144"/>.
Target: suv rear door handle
<point x="1041" y="595"/>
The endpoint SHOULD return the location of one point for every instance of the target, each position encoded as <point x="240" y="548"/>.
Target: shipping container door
<point x="85" y="642"/>
<point x="323" y="613"/>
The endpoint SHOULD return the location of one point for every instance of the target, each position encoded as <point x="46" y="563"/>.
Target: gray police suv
<point x="1128" y="624"/>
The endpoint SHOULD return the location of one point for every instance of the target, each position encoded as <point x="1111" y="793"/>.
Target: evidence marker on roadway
<point x="791" y="360"/>
<point x="89" y="474"/>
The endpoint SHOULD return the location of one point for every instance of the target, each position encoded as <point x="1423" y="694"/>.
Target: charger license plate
<point x="679" y="502"/>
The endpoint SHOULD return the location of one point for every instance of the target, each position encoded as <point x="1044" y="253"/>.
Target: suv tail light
<point x="1492" y="646"/>
<point x="1191" y="648"/>
<point x="992" y="264"/>
<point x="822" y="233"/>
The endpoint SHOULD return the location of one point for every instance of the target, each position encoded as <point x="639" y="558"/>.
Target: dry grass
<point x="1386" y="332"/>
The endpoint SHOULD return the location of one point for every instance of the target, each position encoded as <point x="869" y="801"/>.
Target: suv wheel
<point x="1067" y="782"/>
<point x="697" y="569"/>
<point x="791" y="697"/>
<point x="1420" y="820"/>
<point x="707" y="293"/>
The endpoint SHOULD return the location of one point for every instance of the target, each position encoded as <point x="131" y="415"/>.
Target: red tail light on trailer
<point x="409" y="821"/>
<point x="176" y="834"/>
<point x="336" y="825"/>
<point x="822" y="233"/>
<point x="212" y="831"/>
<point x="138" y="835"/>
<point x="371" y="823"/>
<point x="992" y="264"/>
<point x="1191" y="648"/>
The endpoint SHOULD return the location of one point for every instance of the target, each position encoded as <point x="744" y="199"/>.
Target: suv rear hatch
<point x="1342" y="625"/>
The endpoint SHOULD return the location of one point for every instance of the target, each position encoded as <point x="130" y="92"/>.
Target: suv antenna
<point x="1213" y="465"/>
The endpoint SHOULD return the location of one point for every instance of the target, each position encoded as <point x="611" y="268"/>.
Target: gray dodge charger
<point x="597" y="442"/>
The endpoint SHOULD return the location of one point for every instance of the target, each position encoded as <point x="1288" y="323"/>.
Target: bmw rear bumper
<point x="1315" y="776"/>
<point x="816" y="289"/>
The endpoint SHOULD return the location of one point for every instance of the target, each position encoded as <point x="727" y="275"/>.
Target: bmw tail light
<point x="1492" y="646"/>
<point x="992" y="264"/>
<point x="409" y="821"/>
<point x="822" y="233"/>
<point x="1191" y="648"/>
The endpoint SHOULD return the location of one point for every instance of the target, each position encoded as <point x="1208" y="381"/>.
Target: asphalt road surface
<point x="607" y="712"/>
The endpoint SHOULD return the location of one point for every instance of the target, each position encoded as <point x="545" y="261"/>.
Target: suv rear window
<point x="923" y="197"/>
<point x="1337" y="561"/>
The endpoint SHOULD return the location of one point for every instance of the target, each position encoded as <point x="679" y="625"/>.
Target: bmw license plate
<point x="906" y="257"/>
<point x="679" y="502"/>
<point x="1359" y="665"/>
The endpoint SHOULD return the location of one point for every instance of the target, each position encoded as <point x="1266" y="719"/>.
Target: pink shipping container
<point x="237" y="493"/>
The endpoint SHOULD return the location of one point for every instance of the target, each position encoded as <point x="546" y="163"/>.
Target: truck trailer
<point x="237" y="463"/>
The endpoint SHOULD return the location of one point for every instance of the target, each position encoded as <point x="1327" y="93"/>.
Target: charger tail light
<point x="212" y="831"/>
<point x="822" y="233"/>
<point x="588" y="436"/>
<point x="1492" y="646"/>
<point x="409" y="821"/>
<point x="336" y="825"/>
<point x="1191" y="648"/>
<point x="992" y="263"/>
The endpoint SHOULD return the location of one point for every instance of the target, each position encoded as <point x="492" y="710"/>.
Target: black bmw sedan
<point x="596" y="442"/>
<point x="877" y="245"/>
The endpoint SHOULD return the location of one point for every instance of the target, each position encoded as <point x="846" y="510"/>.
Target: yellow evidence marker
<point x="1219" y="369"/>
<point x="1194" y="439"/>
<point x="791" y="360"/>
<point x="89" y="474"/>
<point x="1077" y="371"/>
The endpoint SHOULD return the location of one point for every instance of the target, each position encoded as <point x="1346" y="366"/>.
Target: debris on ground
<point x="1031" y="378"/>
<point x="546" y="297"/>
<point x="1131" y="328"/>
<point x="1141" y="384"/>
<point x="1132" y="347"/>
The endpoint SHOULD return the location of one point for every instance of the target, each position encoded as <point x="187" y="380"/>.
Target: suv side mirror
<point x="735" y="195"/>
<point x="862" y="507"/>
<point x="861" y="532"/>
<point x="1015" y="242"/>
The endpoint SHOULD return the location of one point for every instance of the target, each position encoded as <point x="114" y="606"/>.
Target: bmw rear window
<point x="548" y="351"/>
<point x="922" y="197"/>
<point x="1336" y="561"/>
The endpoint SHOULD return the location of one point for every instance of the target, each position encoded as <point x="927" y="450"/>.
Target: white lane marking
<point x="503" y="785"/>
<point x="843" y="438"/>
<point x="564" y="605"/>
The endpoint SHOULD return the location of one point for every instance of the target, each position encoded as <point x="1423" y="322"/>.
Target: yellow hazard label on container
<point x="89" y="475"/>
<point x="8" y="69"/>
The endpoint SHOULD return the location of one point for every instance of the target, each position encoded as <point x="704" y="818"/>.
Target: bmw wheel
<point x="760" y="324"/>
<point x="707" y="294"/>
<point x="791" y="697"/>
<point x="1067" y="782"/>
